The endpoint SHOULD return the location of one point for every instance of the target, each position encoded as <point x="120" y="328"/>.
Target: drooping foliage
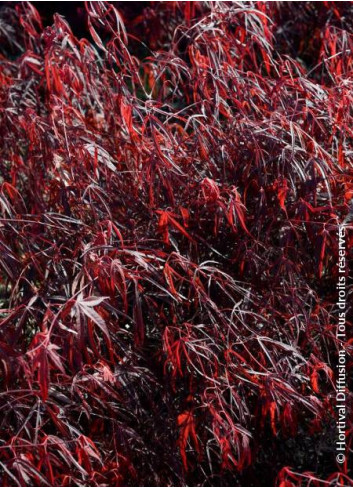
<point x="170" y="193"/>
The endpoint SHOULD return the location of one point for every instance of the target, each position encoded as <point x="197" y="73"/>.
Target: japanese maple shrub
<point x="171" y="188"/>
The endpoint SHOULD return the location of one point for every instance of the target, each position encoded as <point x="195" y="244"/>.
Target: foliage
<point x="170" y="195"/>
